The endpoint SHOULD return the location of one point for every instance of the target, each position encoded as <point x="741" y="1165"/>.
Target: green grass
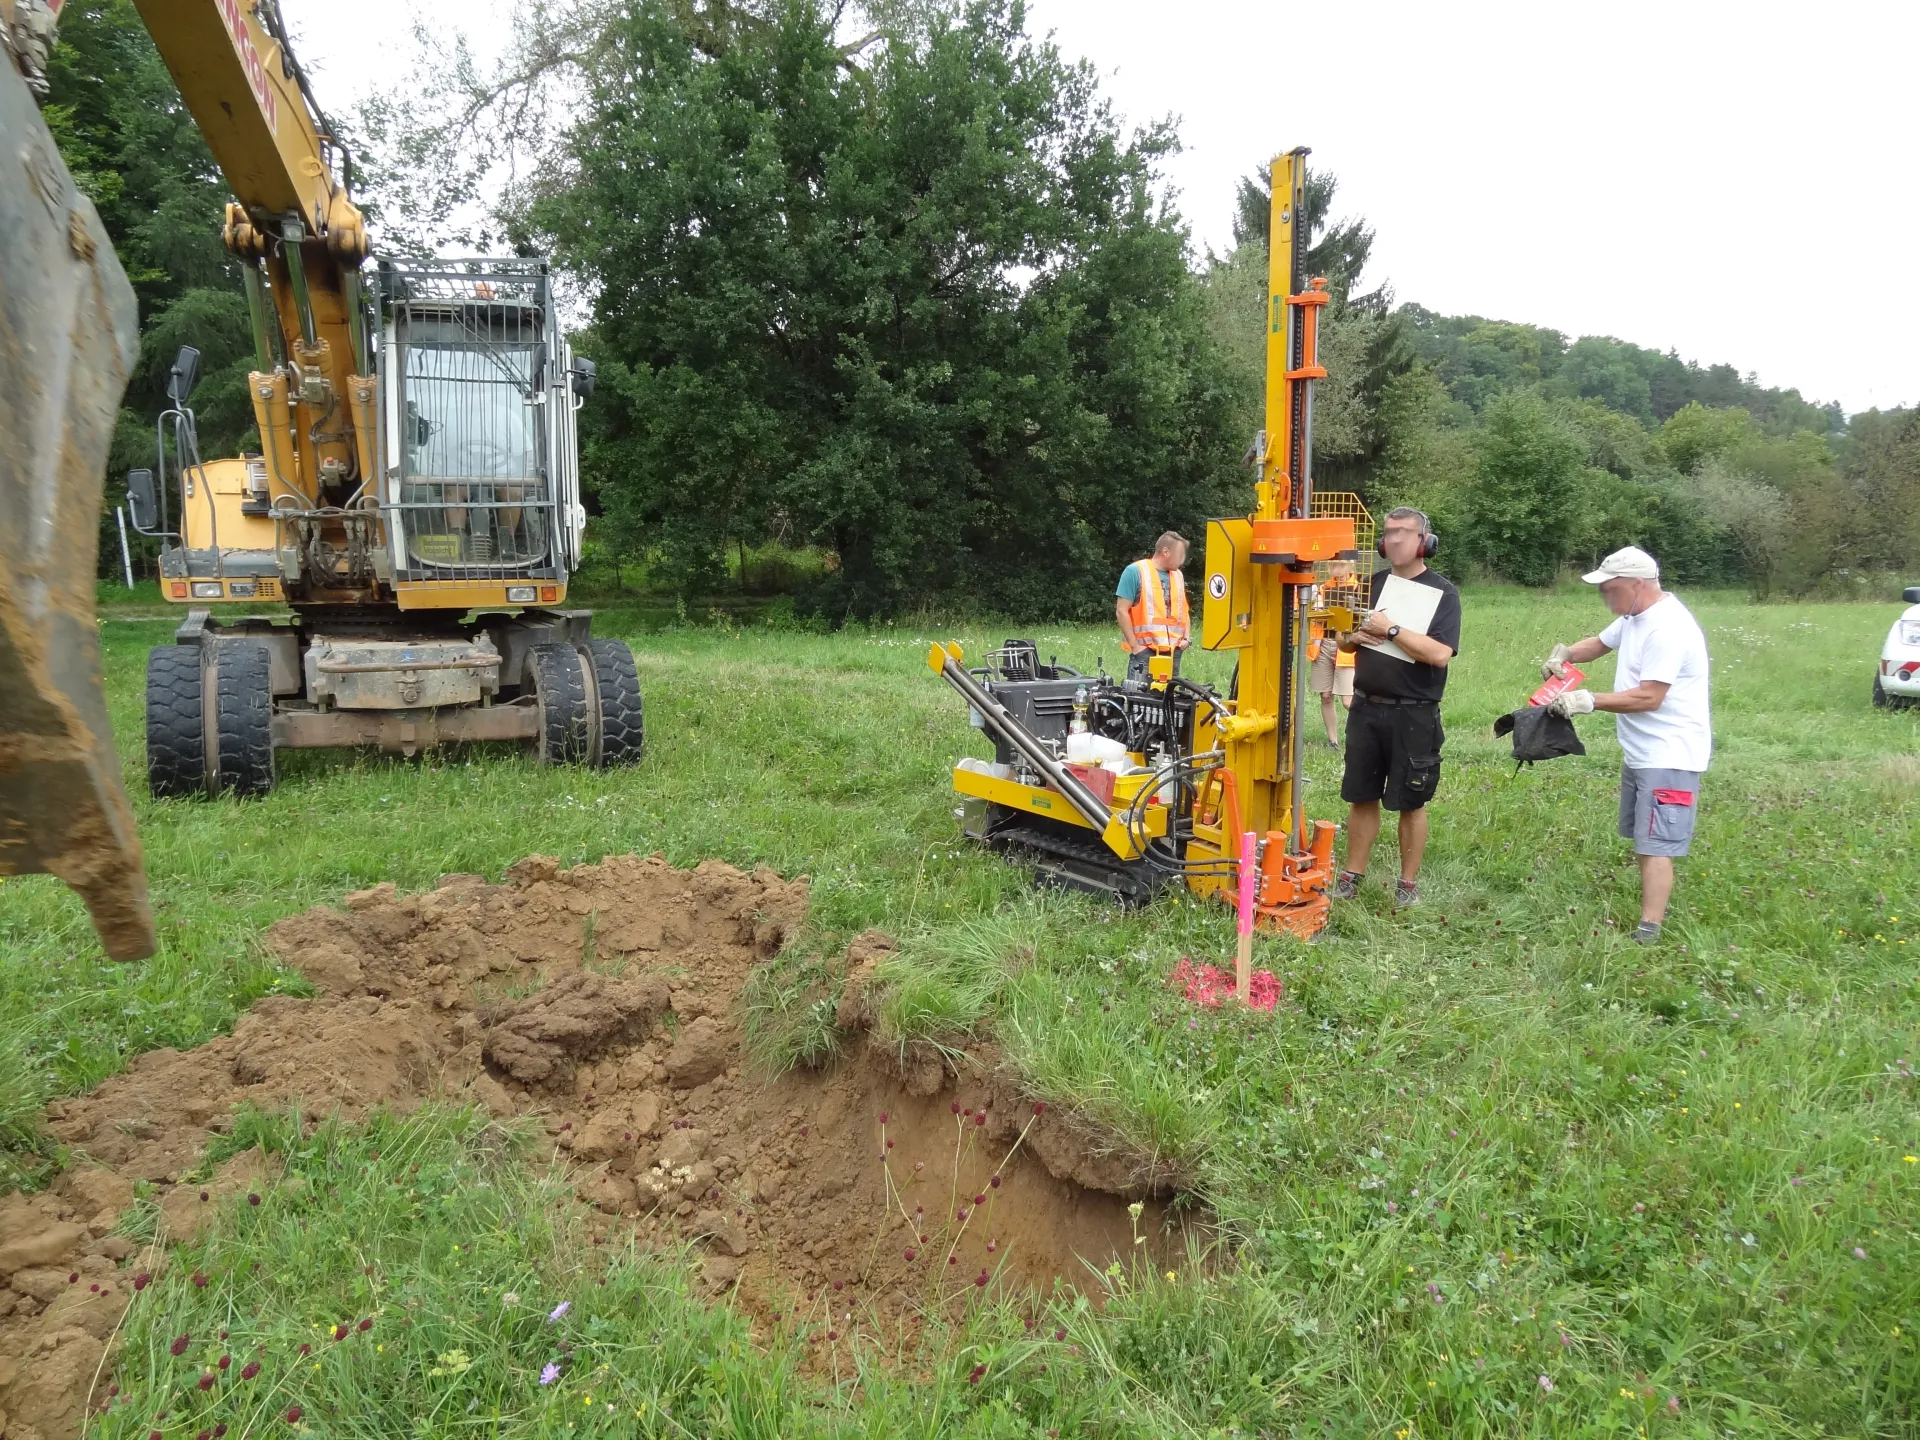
<point x="1483" y="1141"/>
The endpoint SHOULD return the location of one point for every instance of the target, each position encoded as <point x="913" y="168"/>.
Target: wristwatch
<point x="1393" y="632"/>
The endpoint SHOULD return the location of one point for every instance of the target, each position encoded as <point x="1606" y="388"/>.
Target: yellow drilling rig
<point x="1124" y="787"/>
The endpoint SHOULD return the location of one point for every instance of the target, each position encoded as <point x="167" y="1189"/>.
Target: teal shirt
<point x="1129" y="587"/>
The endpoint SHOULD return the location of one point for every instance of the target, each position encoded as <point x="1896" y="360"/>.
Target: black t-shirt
<point x="1378" y="674"/>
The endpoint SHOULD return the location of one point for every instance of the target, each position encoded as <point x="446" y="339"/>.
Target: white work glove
<point x="1574" y="702"/>
<point x="1555" y="664"/>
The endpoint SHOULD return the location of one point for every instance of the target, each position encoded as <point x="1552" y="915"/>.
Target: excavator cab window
<point x="475" y="485"/>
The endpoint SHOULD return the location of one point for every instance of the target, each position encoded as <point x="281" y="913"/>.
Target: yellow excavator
<point x="415" y="503"/>
<point x="1124" y="787"/>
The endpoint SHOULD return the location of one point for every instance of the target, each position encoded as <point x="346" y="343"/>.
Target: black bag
<point x="1538" y="734"/>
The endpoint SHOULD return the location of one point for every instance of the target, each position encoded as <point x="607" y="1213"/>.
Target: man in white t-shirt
<point x="1666" y="730"/>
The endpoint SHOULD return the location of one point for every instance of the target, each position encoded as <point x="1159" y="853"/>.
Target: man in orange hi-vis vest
<point x="1151" y="605"/>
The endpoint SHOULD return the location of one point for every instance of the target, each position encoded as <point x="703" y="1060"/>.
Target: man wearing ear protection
<point x="1393" y="731"/>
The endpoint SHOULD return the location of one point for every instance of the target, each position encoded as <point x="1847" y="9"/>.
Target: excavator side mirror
<point x="1911" y="594"/>
<point x="582" y="377"/>
<point x="186" y="370"/>
<point x="141" y="506"/>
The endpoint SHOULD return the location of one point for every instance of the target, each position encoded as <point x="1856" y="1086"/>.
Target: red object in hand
<point x="1552" y="690"/>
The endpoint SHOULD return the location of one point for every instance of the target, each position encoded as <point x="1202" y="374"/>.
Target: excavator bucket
<point x="68" y="333"/>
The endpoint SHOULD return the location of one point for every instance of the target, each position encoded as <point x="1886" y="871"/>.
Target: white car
<point x="1898" y="682"/>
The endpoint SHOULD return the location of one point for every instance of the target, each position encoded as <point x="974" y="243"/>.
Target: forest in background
<point x="906" y="294"/>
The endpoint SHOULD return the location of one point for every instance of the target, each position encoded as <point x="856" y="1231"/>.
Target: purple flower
<point x="550" y="1374"/>
<point x="1546" y="1383"/>
<point x="1858" y="1253"/>
<point x="559" y="1310"/>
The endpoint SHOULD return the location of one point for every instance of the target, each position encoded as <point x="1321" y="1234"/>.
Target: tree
<point x="913" y="298"/>
<point x="1527" y="489"/>
<point x="136" y="153"/>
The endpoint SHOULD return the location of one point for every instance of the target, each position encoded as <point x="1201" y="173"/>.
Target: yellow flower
<point x="1171" y="1277"/>
<point x="586" y="1399"/>
<point x="1736" y="1104"/>
<point x="1626" y="1393"/>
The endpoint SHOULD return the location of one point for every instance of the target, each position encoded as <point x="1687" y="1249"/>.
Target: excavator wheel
<point x="176" y="725"/>
<point x="242" y="719"/>
<point x="189" y="703"/>
<point x="560" y="691"/>
<point x="619" y="734"/>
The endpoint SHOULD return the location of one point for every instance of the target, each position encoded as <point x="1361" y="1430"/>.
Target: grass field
<point x="1492" y="1169"/>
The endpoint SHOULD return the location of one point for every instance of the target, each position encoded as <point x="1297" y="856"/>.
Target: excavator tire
<point x="242" y="719"/>
<point x="176" y="728"/>
<point x="620" y="735"/>
<point x="560" y="690"/>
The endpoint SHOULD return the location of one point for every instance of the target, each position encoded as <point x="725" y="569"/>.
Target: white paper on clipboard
<point x="1410" y="605"/>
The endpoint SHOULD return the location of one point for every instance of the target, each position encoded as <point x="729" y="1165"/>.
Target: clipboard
<point x="1411" y="605"/>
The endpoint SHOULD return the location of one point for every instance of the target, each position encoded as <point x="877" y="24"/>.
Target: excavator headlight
<point x="520" y="594"/>
<point x="207" y="590"/>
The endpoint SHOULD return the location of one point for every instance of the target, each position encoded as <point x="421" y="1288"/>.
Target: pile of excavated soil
<point x="602" y="999"/>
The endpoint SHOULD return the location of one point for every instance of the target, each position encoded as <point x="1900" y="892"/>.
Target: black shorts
<point x="1393" y="754"/>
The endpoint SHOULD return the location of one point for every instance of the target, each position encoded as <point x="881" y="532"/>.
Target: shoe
<point x="1405" y="893"/>
<point x="1646" y="933"/>
<point x="1347" y="884"/>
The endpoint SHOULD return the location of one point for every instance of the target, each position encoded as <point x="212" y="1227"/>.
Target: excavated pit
<point x="603" y="1000"/>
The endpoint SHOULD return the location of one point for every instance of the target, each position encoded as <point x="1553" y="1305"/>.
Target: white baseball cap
<point x="1632" y="563"/>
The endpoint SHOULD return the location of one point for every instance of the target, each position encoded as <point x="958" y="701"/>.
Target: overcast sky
<point x="1735" y="181"/>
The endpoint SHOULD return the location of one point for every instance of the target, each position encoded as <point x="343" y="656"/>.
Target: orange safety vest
<point x="1154" y="626"/>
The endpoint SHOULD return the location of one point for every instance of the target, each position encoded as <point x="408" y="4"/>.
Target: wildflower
<point x="980" y="1280"/>
<point x="1673" y="1404"/>
<point x="973" y="1377"/>
<point x="1858" y="1253"/>
<point x="250" y="1369"/>
<point x="366" y="1324"/>
<point x="1060" y="1334"/>
<point x="340" y="1332"/>
<point x="1546" y="1383"/>
<point x="1172" y="1277"/>
<point x="550" y="1374"/>
<point x="142" y="1280"/>
<point x="910" y="1252"/>
<point x="1392" y="1208"/>
<point x="1039" y="1107"/>
<point x="306" y="1349"/>
<point x="206" y="1379"/>
<point x="994" y="1180"/>
<point x="253" y="1199"/>
<point x="225" y="1361"/>
<point x="833" y="1334"/>
<point x="559" y="1310"/>
<point x="981" y="1198"/>
<point x="180" y="1343"/>
<point x="980" y="1117"/>
<point x="510" y="1299"/>
<point x="956" y="1107"/>
<point x="199" y="1280"/>
<point x="294" y="1412"/>
<point x="883" y="1117"/>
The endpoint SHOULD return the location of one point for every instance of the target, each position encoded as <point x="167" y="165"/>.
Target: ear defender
<point x="1429" y="546"/>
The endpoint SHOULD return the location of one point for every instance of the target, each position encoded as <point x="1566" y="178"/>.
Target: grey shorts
<point x="1657" y="809"/>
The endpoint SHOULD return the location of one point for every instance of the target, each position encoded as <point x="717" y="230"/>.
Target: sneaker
<point x="1347" y="884"/>
<point x="1646" y="933"/>
<point x="1405" y="893"/>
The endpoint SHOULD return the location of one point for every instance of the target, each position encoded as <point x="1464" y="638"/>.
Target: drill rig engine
<point x="1125" y="788"/>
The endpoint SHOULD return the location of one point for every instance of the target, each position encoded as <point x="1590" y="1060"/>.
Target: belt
<point x="1390" y="699"/>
